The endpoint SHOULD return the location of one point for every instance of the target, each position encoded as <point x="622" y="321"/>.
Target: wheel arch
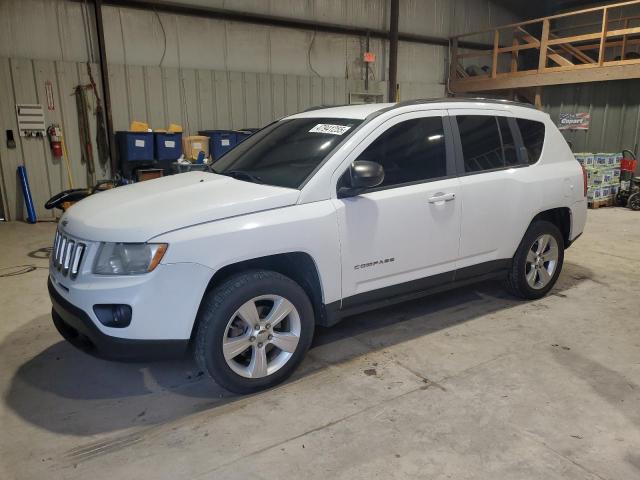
<point x="561" y="218"/>
<point x="299" y="266"/>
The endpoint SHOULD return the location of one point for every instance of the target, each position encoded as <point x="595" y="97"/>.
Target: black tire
<point x="634" y="202"/>
<point x="516" y="282"/>
<point x="219" y="306"/>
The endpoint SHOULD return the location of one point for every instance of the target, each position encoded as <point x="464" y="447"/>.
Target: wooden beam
<point x="571" y="50"/>
<point x="623" y="31"/>
<point x="603" y="40"/>
<point x="595" y="46"/>
<point x="528" y="37"/>
<point x="560" y="76"/>
<point x="575" y="38"/>
<point x="560" y="60"/>
<point x="494" y="60"/>
<point x="517" y="48"/>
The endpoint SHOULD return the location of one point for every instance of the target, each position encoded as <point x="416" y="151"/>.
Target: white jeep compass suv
<point x="317" y="216"/>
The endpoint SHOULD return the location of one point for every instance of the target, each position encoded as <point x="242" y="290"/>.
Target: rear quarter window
<point x="532" y="133"/>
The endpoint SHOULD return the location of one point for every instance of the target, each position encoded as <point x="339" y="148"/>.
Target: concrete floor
<point x="466" y="384"/>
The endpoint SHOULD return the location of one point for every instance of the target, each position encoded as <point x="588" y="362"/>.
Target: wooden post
<point x="603" y="38"/>
<point x="514" y="54"/>
<point x="538" y="98"/>
<point x="624" y="40"/>
<point x="542" y="62"/>
<point x="496" y="46"/>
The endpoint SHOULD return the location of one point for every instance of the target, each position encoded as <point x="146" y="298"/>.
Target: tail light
<point x="584" y="179"/>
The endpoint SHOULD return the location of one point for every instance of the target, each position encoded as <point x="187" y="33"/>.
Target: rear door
<point x="491" y="164"/>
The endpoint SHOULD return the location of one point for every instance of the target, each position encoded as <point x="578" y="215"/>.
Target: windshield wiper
<point x="242" y="175"/>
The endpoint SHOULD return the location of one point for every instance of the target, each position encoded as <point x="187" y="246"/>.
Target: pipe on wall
<point x="106" y="92"/>
<point x="274" y="21"/>
<point x="394" y="17"/>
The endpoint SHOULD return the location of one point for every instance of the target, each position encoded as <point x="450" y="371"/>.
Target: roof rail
<point x="498" y="101"/>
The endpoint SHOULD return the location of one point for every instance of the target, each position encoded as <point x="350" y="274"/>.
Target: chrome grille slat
<point x="63" y="250"/>
<point x="57" y="255"/>
<point x="67" y="254"/>
<point x="77" y="258"/>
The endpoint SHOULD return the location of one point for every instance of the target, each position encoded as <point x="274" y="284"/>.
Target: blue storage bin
<point x="135" y="146"/>
<point x="220" y="141"/>
<point x="168" y="146"/>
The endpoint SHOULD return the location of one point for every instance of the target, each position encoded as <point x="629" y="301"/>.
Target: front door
<point x="402" y="236"/>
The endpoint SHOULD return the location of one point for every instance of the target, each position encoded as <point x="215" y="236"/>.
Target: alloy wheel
<point x="261" y="336"/>
<point x="542" y="260"/>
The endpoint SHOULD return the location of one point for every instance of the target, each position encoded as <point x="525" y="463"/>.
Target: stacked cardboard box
<point x="603" y="174"/>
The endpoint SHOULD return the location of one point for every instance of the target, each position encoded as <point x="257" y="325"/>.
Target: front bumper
<point x="76" y="326"/>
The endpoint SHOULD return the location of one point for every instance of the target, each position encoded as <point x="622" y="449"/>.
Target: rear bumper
<point x="76" y="326"/>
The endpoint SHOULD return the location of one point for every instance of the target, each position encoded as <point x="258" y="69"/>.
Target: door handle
<point x="442" y="197"/>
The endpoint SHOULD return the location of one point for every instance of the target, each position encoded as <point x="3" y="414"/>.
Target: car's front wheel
<point x="537" y="262"/>
<point x="253" y="330"/>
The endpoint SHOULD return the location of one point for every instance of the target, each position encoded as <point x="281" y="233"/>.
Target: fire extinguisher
<point x="55" y="140"/>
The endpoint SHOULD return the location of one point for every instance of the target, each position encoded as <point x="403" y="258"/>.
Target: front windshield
<point x="285" y="153"/>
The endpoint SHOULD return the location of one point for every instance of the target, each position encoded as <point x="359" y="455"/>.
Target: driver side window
<point x="410" y="151"/>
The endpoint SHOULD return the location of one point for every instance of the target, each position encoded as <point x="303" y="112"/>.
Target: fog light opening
<point x="113" y="315"/>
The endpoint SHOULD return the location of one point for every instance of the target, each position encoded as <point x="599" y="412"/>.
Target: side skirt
<point x="412" y="290"/>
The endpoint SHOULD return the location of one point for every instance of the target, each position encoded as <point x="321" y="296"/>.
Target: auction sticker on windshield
<point x="331" y="129"/>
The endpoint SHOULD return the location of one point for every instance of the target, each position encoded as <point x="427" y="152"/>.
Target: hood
<point x="139" y="212"/>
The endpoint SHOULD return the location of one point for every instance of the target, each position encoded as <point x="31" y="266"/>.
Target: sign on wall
<point x="574" y="121"/>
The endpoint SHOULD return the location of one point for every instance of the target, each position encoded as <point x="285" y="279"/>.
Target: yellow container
<point x="139" y="126"/>
<point x="193" y="145"/>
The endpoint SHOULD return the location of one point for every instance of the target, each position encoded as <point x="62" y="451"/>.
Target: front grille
<point x="67" y="254"/>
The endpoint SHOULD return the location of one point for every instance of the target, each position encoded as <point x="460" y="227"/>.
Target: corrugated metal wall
<point x="23" y="81"/>
<point x="205" y="73"/>
<point x="614" y="108"/>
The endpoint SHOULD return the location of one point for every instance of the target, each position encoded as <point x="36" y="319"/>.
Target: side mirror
<point x="362" y="175"/>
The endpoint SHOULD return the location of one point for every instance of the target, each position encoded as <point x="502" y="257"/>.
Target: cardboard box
<point x="594" y="193"/>
<point x="615" y="189"/>
<point x="601" y="159"/>
<point x="589" y="159"/>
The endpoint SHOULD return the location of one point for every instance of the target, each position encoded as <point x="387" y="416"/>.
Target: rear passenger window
<point x="481" y="146"/>
<point x="532" y="133"/>
<point x="410" y="151"/>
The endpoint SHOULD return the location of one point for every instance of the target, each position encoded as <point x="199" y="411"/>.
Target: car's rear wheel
<point x="537" y="262"/>
<point x="253" y="330"/>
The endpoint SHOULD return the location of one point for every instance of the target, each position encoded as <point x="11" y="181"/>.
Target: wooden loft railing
<point x="541" y="52"/>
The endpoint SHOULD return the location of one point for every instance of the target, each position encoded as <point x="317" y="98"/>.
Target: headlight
<point x="128" y="258"/>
